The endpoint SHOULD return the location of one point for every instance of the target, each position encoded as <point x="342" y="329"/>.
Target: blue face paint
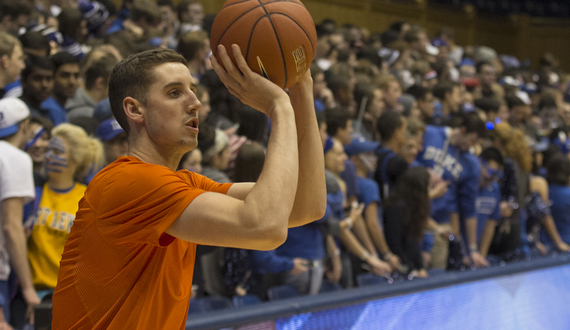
<point x="56" y="160"/>
<point x="37" y="135"/>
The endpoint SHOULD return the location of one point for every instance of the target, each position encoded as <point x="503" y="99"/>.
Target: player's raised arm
<point x="259" y="221"/>
<point x="311" y="198"/>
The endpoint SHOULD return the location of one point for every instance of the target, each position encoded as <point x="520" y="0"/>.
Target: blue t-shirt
<point x="488" y="208"/>
<point x="369" y="193"/>
<point x="460" y="168"/>
<point x="560" y="209"/>
<point x="349" y="177"/>
<point x="57" y="112"/>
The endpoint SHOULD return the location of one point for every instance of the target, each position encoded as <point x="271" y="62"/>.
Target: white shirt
<point x="16" y="180"/>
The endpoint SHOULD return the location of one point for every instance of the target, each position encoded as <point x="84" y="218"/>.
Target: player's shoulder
<point x="131" y="172"/>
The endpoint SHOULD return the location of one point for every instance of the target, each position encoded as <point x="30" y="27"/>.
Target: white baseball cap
<point x="12" y="112"/>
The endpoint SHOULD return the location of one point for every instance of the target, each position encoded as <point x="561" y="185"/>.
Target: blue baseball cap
<point x="360" y="145"/>
<point x="108" y="130"/>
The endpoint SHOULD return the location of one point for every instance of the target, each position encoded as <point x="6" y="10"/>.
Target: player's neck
<point x="150" y="153"/>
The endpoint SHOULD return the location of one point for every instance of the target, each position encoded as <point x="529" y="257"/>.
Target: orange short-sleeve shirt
<point x="119" y="269"/>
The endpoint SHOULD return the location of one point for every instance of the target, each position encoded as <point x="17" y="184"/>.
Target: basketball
<point x="277" y="38"/>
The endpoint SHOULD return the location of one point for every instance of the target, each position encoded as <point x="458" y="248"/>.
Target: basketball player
<point x="129" y="258"/>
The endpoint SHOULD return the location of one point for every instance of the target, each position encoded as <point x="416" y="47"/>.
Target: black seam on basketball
<point x="262" y="6"/>
<point x="299" y="25"/>
<point x="251" y="35"/>
<point x="278" y="42"/>
<point x="232" y="23"/>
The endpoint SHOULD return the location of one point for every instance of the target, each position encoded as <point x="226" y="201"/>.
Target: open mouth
<point x="193" y="123"/>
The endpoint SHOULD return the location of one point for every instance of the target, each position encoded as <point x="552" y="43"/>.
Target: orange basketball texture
<point x="277" y="37"/>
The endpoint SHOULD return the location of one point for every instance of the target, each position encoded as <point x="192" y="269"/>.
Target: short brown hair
<point x="133" y="76"/>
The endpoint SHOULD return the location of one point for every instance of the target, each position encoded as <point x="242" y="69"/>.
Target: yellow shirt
<point x="55" y="216"/>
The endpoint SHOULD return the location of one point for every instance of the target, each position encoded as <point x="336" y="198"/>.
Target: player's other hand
<point x="249" y="87"/>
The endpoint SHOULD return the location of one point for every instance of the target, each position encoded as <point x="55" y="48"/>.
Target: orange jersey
<point x="119" y="269"/>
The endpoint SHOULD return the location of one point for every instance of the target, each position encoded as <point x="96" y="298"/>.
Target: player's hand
<point x="32" y="299"/>
<point x="422" y="273"/>
<point x="249" y="87"/>
<point x="299" y="266"/>
<point x="305" y="80"/>
<point x="478" y="260"/>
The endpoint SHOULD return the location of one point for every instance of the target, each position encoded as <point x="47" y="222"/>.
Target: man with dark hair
<point x="65" y="81"/>
<point x="339" y="126"/>
<point x="392" y="128"/>
<point x="14" y="16"/>
<point x="34" y="43"/>
<point x="96" y="89"/>
<point x="37" y="86"/>
<point x="144" y="220"/>
<point x="195" y="47"/>
<point x="446" y="152"/>
<point x="424" y="97"/>
<point x="449" y="95"/>
<point x="11" y="62"/>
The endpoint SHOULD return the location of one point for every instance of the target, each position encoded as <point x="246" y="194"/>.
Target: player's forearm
<point x="271" y="199"/>
<point x="310" y="201"/>
<point x="487" y="237"/>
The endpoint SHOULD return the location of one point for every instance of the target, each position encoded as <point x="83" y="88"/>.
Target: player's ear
<point x="133" y="109"/>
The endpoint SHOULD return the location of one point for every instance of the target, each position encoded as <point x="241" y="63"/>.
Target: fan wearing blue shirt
<point x="488" y="201"/>
<point x="361" y="153"/>
<point x="65" y="82"/>
<point x="339" y="127"/>
<point x="446" y="152"/>
<point x="392" y="128"/>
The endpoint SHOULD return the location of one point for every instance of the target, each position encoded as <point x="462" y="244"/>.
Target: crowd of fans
<point x="437" y="156"/>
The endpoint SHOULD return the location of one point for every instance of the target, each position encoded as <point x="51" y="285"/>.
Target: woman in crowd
<point x="70" y="156"/>
<point x="405" y="217"/>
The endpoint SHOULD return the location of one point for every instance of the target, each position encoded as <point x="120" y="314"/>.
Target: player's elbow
<point x="272" y="238"/>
